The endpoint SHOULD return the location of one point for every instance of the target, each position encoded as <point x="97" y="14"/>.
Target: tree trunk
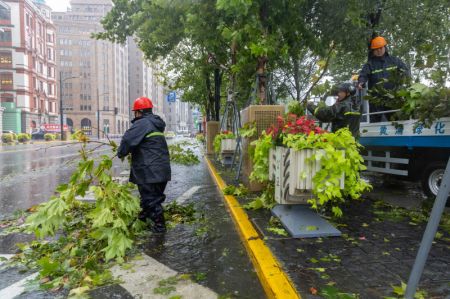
<point x="296" y="80"/>
<point x="210" y="99"/>
<point x="217" y="83"/>
<point x="262" y="80"/>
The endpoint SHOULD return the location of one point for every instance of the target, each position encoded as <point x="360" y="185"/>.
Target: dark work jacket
<point x="378" y="68"/>
<point x="342" y="114"/>
<point x="150" y="161"/>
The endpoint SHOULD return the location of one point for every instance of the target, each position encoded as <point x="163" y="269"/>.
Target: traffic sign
<point x="171" y="97"/>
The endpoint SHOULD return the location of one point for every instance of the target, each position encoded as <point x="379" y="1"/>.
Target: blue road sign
<point x="172" y="97"/>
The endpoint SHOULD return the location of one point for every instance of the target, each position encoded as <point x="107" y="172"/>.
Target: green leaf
<point x="331" y="292"/>
<point x="48" y="267"/>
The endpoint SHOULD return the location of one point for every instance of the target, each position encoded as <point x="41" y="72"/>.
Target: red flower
<point x="291" y="124"/>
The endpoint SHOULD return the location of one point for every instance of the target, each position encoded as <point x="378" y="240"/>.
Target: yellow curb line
<point x="275" y="282"/>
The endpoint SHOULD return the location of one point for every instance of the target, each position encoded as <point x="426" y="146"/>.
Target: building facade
<point x="28" y="89"/>
<point x="143" y="77"/>
<point x="179" y="115"/>
<point x="94" y="73"/>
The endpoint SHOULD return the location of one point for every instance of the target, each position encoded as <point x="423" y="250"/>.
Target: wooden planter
<point x="293" y="172"/>
<point x="212" y="129"/>
<point x="263" y="116"/>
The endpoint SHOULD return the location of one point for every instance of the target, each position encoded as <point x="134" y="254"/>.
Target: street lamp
<point x="61" y="80"/>
<point x="98" y="112"/>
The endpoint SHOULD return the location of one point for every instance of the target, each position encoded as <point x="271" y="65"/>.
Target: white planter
<point x="293" y="172"/>
<point x="227" y="145"/>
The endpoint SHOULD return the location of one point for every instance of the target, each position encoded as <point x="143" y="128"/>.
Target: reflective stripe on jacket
<point x="385" y="67"/>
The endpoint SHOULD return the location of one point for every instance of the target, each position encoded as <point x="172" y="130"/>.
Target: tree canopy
<point x="290" y="47"/>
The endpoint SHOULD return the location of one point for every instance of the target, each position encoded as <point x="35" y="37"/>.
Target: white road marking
<point x="125" y="173"/>
<point x="16" y="288"/>
<point x="6" y="256"/>
<point x="143" y="278"/>
<point x="186" y="195"/>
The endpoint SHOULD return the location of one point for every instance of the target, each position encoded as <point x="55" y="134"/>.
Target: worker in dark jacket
<point x="345" y="113"/>
<point x="150" y="161"/>
<point x="382" y="71"/>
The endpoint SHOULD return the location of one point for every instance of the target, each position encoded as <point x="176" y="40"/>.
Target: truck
<point x="406" y="148"/>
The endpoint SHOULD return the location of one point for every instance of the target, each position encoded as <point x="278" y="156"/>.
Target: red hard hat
<point x="142" y="103"/>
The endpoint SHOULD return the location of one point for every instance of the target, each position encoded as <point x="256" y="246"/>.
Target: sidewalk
<point x="376" y="251"/>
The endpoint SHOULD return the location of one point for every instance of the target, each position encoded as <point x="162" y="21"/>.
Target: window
<point x="5" y="58"/>
<point x="6" y="81"/>
<point x="5" y="36"/>
<point x="50" y="72"/>
<point x="6" y="97"/>
<point x="5" y="13"/>
<point x="50" y="89"/>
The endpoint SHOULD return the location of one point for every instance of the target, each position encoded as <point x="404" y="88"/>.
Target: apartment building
<point x="94" y="73"/>
<point x="28" y="89"/>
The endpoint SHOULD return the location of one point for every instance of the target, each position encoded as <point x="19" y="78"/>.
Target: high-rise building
<point x="178" y="114"/>
<point x="27" y="65"/>
<point x="94" y="73"/>
<point x="143" y="77"/>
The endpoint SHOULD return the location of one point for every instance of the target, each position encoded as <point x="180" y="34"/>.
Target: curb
<point x="274" y="280"/>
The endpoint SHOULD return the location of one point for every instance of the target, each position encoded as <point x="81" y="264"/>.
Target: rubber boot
<point x="159" y="226"/>
<point x="143" y="216"/>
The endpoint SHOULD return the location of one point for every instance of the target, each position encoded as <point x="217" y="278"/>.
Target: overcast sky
<point x="58" y="5"/>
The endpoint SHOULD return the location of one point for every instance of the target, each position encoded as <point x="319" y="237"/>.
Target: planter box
<point x="228" y="146"/>
<point x="263" y="116"/>
<point x="212" y="129"/>
<point x="293" y="172"/>
<point x="227" y="149"/>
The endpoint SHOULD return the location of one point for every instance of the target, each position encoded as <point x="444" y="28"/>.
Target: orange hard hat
<point x="377" y="42"/>
<point x="142" y="103"/>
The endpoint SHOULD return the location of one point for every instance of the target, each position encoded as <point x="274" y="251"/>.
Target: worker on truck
<point x="382" y="72"/>
<point x="150" y="161"/>
<point x="345" y="113"/>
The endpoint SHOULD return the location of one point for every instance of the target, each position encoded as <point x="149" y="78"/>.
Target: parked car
<point x="170" y="134"/>
<point x="37" y="135"/>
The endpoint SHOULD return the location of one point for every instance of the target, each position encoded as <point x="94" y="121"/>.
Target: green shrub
<point x="49" y="137"/>
<point x="200" y="137"/>
<point x="23" y="137"/>
<point x="7" y="138"/>
<point x="14" y="136"/>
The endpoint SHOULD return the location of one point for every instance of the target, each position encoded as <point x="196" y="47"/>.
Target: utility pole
<point x="98" y="115"/>
<point x="61" y="112"/>
<point x="100" y="110"/>
<point x="61" y="103"/>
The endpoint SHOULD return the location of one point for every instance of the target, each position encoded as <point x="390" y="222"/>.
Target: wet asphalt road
<point x="210" y="249"/>
<point x="29" y="173"/>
